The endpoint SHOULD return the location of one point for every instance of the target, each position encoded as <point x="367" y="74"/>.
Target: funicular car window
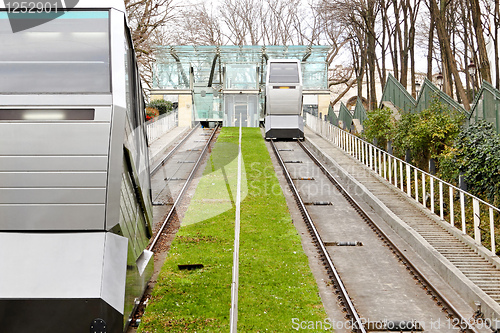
<point x="68" y="54"/>
<point x="284" y="72"/>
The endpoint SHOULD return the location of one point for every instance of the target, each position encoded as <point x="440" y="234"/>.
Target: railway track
<point x="177" y="175"/>
<point x="170" y="178"/>
<point x="398" y="296"/>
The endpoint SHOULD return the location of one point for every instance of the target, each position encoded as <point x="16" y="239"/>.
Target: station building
<point x="227" y="83"/>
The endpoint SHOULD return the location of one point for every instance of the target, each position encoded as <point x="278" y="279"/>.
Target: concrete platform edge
<point x="154" y="157"/>
<point x="452" y="275"/>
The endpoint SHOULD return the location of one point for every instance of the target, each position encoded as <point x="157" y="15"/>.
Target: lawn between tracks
<point x="275" y="282"/>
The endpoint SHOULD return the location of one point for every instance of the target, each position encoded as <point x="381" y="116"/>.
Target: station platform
<point x="161" y="145"/>
<point x="450" y="258"/>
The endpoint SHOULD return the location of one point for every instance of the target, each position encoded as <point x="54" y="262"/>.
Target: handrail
<point x="158" y="126"/>
<point x="402" y="174"/>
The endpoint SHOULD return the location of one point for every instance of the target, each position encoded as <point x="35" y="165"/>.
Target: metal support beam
<point x="212" y="71"/>
<point x="179" y="66"/>
<point x="308" y="54"/>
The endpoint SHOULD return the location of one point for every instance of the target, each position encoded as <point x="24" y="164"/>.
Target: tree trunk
<point x="384" y="32"/>
<point x="370" y="20"/>
<point x="495" y="43"/>
<point x="371" y="69"/>
<point x="430" y="48"/>
<point x="411" y="44"/>
<point x="484" y="63"/>
<point x="444" y="41"/>
<point x="465" y="22"/>
<point x="398" y="41"/>
<point x="405" y="46"/>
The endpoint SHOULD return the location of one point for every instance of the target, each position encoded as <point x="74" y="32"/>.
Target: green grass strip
<point x="276" y="284"/>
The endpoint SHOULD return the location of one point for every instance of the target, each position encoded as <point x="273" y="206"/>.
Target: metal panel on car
<point x="52" y="195"/>
<point x="52" y="217"/>
<point x="49" y="138"/>
<point x="53" y="179"/>
<point x="53" y="163"/>
<point x="65" y="265"/>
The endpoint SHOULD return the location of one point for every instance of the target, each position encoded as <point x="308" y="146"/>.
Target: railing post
<point x="357" y="149"/>
<point x="389" y="168"/>
<point x="452" y="209"/>
<point x="477" y="220"/>
<point x="416" y="184"/>
<point x="380" y="162"/>
<point x="351" y="144"/>
<point x="432" y="193"/>
<point x="401" y="183"/>
<point x="365" y="153"/>
<point x="408" y="180"/>
<point x="424" y="201"/>
<point x="395" y="163"/>
<point x="385" y="165"/>
<point x="441" y="212"/>
<point x="462" y="209"/>
<point x="492" y="231"/>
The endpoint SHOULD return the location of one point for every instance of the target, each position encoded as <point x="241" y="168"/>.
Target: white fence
<point x="449" y="202"/>
<point x="158" y="126"/>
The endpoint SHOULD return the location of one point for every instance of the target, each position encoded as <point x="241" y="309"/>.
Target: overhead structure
<point x="227" y="83"/>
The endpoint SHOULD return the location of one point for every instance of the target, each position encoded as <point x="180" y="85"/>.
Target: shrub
<point x="476" y="154"/>
<point x="161" y="105"/>
<point x="379" y="126"/>
<point x="428" y="134"/>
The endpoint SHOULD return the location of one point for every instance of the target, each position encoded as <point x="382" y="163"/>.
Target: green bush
<point x="476" y="154"/>
<point x="161" y="105"/>
<point x="379" y="126"/>
<point x="428" y="134"/>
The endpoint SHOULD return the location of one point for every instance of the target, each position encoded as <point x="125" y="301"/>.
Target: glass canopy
<point x="214" y="74"/>
<point x="243" y="65"/>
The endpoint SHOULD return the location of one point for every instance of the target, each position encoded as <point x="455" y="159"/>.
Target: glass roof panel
<point x="172" y="69"/>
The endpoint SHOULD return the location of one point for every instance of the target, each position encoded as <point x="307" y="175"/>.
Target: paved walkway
<point x="163" y="143"/>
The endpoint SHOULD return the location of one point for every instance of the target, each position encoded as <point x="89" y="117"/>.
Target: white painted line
<point x="236" y="254"/>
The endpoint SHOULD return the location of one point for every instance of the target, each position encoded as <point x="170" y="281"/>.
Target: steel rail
<point x="171" y="152"/>
<point x="418" y="275"/>
<point x="358" y="325"/>
<point x="181" y="193"/>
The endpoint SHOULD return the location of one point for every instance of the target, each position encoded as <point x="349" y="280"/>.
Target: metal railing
<point x="160" y="125"/>
<point x="475" y="217"/>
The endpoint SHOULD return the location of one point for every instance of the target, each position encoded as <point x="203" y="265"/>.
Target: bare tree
<point x="438" y="14"/>
<point x="491" y="18"/>
<point x="359" y="18"/>
<point x="484" y="64"/>
<point x="146" y="19"/>
<point x="201" y="26"/>
<point x="241" y="19"/>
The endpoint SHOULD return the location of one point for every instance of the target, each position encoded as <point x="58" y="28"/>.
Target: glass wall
<point x="171" y="76"/>
<point x="314" y="76"/>
<point x="241" y="76"/>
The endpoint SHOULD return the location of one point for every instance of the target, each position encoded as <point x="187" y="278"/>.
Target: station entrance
<point x="241" y="108"/>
